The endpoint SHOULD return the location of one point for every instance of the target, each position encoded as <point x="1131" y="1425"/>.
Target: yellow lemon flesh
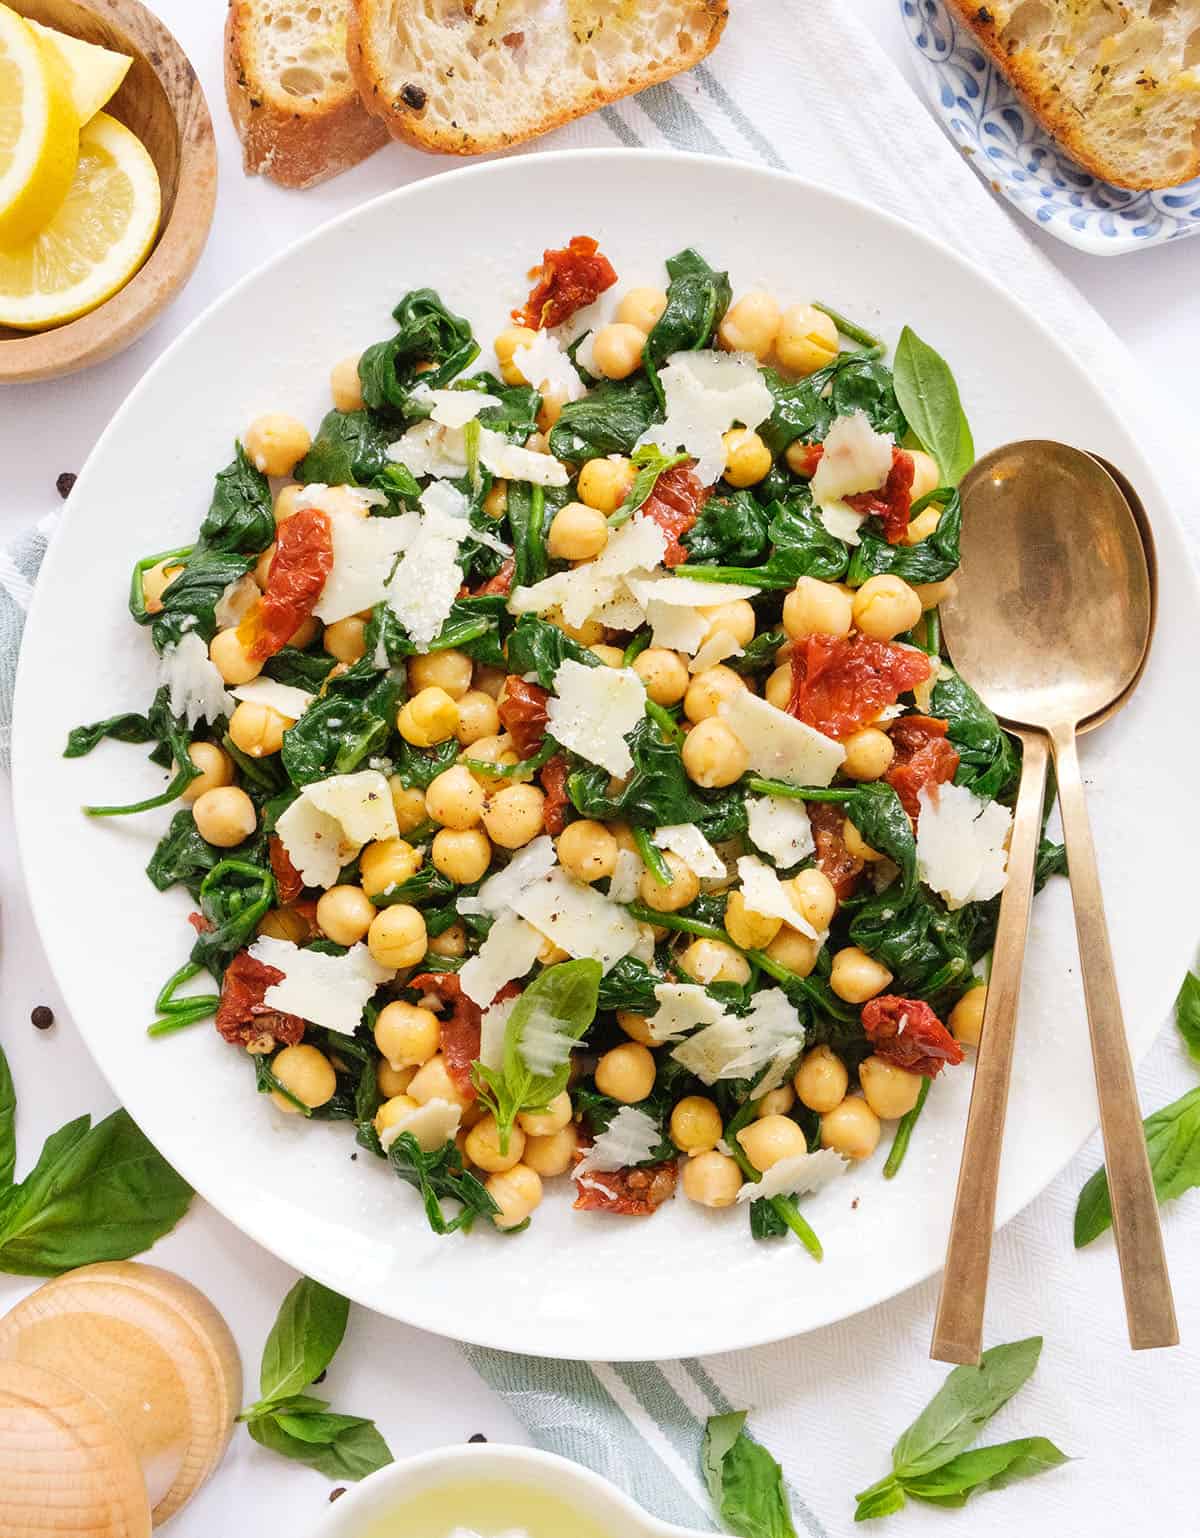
<point x="39" y="130"/>
<point x="93" y="73"/>
<point x="95" y="243"/>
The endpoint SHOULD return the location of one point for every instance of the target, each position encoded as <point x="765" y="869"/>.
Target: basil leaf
<point x="880" y="1500"/>
<point x="8" y="1123"/>
<point x="1173" y="1143"/>
<point x="96" y="1193"/>
<point x="651" y="462"/>
<point x="968" y="1399"/>
<point x="1187" y="1015"/>
<point x="353" y="1450"/>
<point x="928" y="396"/>
<point x="303" y="1339"/>
<point x="985" y="1468"/>
<point x="744" y="1480"/>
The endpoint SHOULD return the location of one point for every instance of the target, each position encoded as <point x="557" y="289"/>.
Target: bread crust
<point x="1060" y="120"/>
<point x="295" y="145"/>
<point x="405" y="122"/>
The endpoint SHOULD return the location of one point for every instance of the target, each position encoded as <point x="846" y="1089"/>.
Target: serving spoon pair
<point x="1050" y="624"/>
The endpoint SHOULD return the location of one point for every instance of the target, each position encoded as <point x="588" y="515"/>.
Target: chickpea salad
<point x="567" y="780"/>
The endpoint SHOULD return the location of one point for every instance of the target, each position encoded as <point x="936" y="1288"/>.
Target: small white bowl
<point x="353" y="1514"/>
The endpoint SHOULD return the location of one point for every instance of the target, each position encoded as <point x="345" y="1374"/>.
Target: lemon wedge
<point x="94" y="73"/>
<point x="95" y="243"/>
<point x="39" y="130"/>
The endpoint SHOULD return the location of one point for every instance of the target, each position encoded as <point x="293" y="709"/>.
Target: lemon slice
<point x="94" y="73"/>
<point x="39" y="130"/>
<point x="95" y="243"/>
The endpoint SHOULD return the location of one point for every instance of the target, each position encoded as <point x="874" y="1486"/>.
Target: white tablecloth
<point x="1129" y="1418"/>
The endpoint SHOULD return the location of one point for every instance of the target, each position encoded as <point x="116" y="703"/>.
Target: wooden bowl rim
<point x="119" y="321"/>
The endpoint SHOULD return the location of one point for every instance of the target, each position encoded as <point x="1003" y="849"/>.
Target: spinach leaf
<point x="745" y="1482"/>
<point x="1173" y="1143"/>
<point x="472" y="626"/>
<point x="302" y="670"/>
<point x="419" y="767"/>
<point x="190" y="602"/>
<point x="988" y="761"/>
<point x="928" y="394"/>
<point x="629" y="985"/>
<point x="128" y="727"/>
<point x="181" y="855"/>
<point x="651" y="462"/>
<point x="658" y="793"/>
<point x="552" y="1013"/>
<point x="240" y="517"/>
<point x="861" y="383"/>
<point x="536" y="646"/>
<point x="1187" y="1015"/>
<point x="801" y="547"/>
<point x="927" y="949"/>
<point x="697" y="298"/>
<point x="527" y="520"/>
<point x="875" y="810"/>
<point x="233" y="896"/>
<point x="759" y="653"/>
<point x="933" y="560"/>
<point x="173" y="738"/>
<point x="8" y="1124"/>
<point x="428" y="334"/>
<point x="805" y="408"/>
<point x="516" y="415"/>
<point x="350" y="449"/>
<point x="440" y="1176"/>
<point x="428" y="885"/>
<point x="730" y="531"/>
<point x="966" y="1401"/>
<point x="1051" y="861"/>
<point x="306" y="1334"/>
<point x="985" y="1468"/>
<point x="608" y="420"/>
<point x="351" y="721"/>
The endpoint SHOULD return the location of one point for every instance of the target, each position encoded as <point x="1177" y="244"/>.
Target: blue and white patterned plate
<point x="1008" y="148"/>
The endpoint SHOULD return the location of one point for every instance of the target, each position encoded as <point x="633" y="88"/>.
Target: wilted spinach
<point x="988" y="762"/>
<point x="933" y="560"/>
<point x="801" y="546"/>
<point x="697" y="298"/>
<point x="419" y="767"/>
<point x="189" y="602"/>
<point x="428" y="334"/>
<point x="234" y="896"/>
<point x="658" y="793"/>
<point x="182" y="855"/>
<point x="351" y="721"/>
<point x="527" y="520"/>
<point x="240" y="517"/>
<point x="608" y="420"/>
<point x="130" y="726"/>
<point x="805" y="408"/>
<point x="350" y="449"/>
<point x="302" y="670"/>
<point x="168" y="731"/>
<point x="630" y="985"/>
<point x="730" y="531"/>
<point x="536" y="646"/>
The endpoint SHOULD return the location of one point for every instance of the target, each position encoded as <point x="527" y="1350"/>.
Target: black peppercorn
<point x="65" y="484"/>
<point x="42" y="1017"/>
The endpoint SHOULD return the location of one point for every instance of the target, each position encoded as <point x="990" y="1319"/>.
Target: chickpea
<point x="516" y="1192"/>
<point x="752" y="931"/>
<point x="477" y="717"/>
<point x="553" y="1119"/>
<point x="287" y="505"/>
<point x="821" y="1080"/>
<point x="305" y="634"/>
<point x="708" y="690"/>
<point x="397" y="936"/>
<point x="770" y="1139"/>
<point x="344" y="914"/>
<point x="451" y="942"/>
<point x="891" y="1092"/>
<point x="262" y="567"/>
<point x="515" y="815"/>
<point x="713" y="1179"/>
<point x="386" y="863"/>
<point x="407" y="1034"/>
<point x="611" y="656"/>
<point x="276" y="443"/>
<point x="817" y="608"/>
<point x="586" y="634"/>
<point x="807" y="339"/>
<point x="306" y="1073"/>
<point x="550" y="410"/>
<point x="483" y="1146"/>
<point x="684" y="886"/>
<point x="926" y="475"/>
<point x="922" y="526"/>
<point x="747" y="458"/>
<point x="664" y="674"/>
<point x="635" y="1026"/>
<point x="797" y="952"/>
<point x="587" y="850"/>
<point x="284" y="924"/>
<point x="495" y="504"/>
<point x="230" y="659"/>
<point x="696" y="1125"/>
<point x="428" y="718"/>
<point x="550" y="953"/>
<point x="617" y="350"/>
<point x="553" y="1153"/>
<point x="215" y="766"/>
<point x="344" y="640"/>
<point x="966" y="1018"/>
<point x="225" y="816"/>
<point x="813" y="894"/>
<point x="257" y="729"/>
<point x="856" y="844"/>
<point x="461" y="856"/>
<point x="506" y="345"/>
<point x="776" y="1102"/>
<point x="395" y="1110"/>
<point x="577" y="533"/>
<point x="885" y="606"/>
<point x="538" y="443"/>
<point x="497" y="750"/>
<point x="155" y="581"/>
<point x="713" y="754"/>
<point x="626" y="1073"/>
<point x="448" y="670"/>
<point x="408" y="803"/>
<point x="851" y="1129"/>
<point x="737" y="618"/>
<point x="455" y="798"/>
<point x="778" y="689"/>
<point x="857" y="977"/>
<point x="393" y="1081"/>
<point x="434" y="1081"/>
<point x="869" y="754"/>
<point x="751" y="325"/>
<point x="643" y="308"/>
<point x="345" y="386"/>
<point x="712" y="961"/>
<point x="605" y="483"/>
<point x="933" y="593"/>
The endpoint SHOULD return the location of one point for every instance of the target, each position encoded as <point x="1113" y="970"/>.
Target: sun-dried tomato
<point x="461" y="1027"/>
<point x="906" y="1032"/>
<point x="554" y="782"/>
<point x="200" y="924"/>
<point x="242" y="1017"/>
<point x="675" y="504"/>
<point x="303" y="559"/>
<point x="566" y="281"/>
<point x="923" y="757"/>
<point x="501" y="583"/>
<point x="523" y="713"/>
<point x="288" y="881"/>
<point x="834" y="860"/>
<point x="636" y="1193"/>
<point x="892" y="502"/>
<point x="839" y="683"/>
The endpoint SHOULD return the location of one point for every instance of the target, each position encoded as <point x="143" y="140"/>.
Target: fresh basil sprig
<point x="745" y="1482"/>
<point x="288" y="1421"/>
<point x="95" y="1193"/>
<point x="930" y="1461"/>
<point x="1187" y="1015"/>
<point x="928" y="396"/>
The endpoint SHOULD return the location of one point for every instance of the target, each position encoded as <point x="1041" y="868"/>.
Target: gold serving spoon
<point x="1045" y="525"/>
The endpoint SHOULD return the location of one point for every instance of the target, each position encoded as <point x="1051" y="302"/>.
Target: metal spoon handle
<point x="958" y="1327"/>
<point x="1149" y="1306"/>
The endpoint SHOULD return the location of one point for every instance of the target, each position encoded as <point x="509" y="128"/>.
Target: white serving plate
<point x="575" y="1285"/>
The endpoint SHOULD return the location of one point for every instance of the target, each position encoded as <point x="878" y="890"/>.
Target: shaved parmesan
<point x="733" y="1048"/>
<point x="454" y="408"/>
<point x="681" y="1008"/>
<point x="779" y="826"/>
<point x="282" y="698"/>
<point x="855" y="458"/>
<point x="796" y="1176"/>
<point x="707" y="393"/>
<point x="327" y="990"/>
<point x="686" y="840"/>
<point x="716" y="649"/>
<point x="509" y="951"/>
<point x="629" y="1139"/>
<point x="592" y="709"/>
<point x="361" y="802"/>
<point x="236" y="602"/>
<point x="623" y="883"/>
<point x="548" y="369"/>
<point x="428" y="448"/>
<point x="432" y="1124"/>
<point x="499" y="892"/>
<point x="778" y="745"/>
<point x="584" y="922"/>
<point x="333" y="499"/>
<point x="594" y="586"/>
<point x="764" y="893"/>
<point x="330" y="821"/>
<point x="678" y="630"/>
<point x="428" y="578"/>
<point x="505" y="459"/>
<point x="544" y="1046"/>
<point x="493" y="1026"/>
<point x="364" y="555"/>
<point x="688" y="593"/>
<point x="962" y="844"/>
<point x="195" y="688"/>
<point x="841" y="521"/>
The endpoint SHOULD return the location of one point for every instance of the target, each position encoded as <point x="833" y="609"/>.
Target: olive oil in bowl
<point x="486" y="1508"/>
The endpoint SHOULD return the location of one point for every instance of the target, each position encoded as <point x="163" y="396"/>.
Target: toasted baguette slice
<point x="291" y="95"/>
<point x="466" y="76"/>
<point x="1117" y="84"/>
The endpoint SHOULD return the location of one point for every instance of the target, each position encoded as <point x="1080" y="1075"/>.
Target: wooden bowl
<point x="161" y="100"/>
